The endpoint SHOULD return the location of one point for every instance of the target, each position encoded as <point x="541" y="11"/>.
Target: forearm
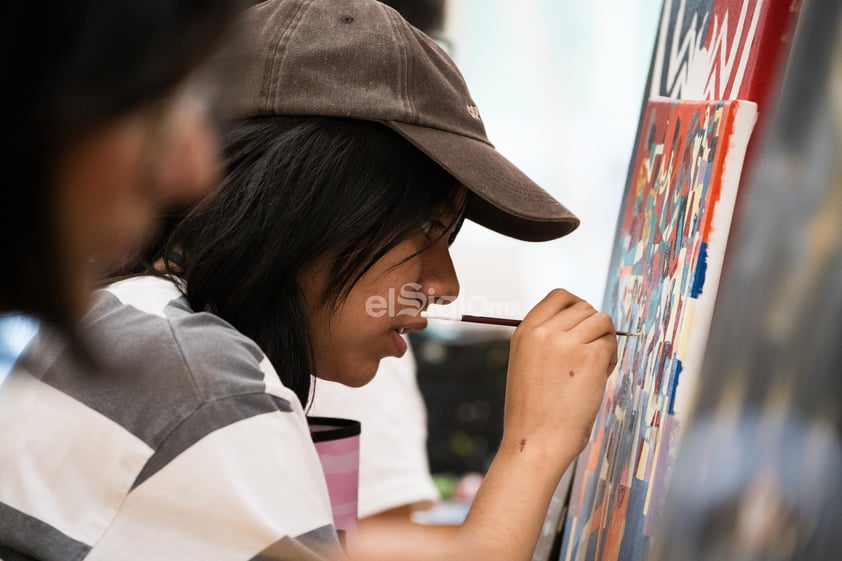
<point x="391" y="539"/>
<point x="504" y="521"/>
<point x="507" y="515"/>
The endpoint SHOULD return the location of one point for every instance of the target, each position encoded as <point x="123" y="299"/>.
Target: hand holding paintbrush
<point x="559" y="361"/>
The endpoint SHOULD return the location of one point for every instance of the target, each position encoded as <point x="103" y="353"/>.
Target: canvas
<point x="549" y="541"/>
<point x="705" y="50"/>
<point x="664" y="274"/>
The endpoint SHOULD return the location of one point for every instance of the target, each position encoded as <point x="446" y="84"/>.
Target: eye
<point x="433" y="229"/>
<point x="455" y="229"/>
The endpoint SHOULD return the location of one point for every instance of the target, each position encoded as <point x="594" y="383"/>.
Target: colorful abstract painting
<point x="664" y="275"/>
<point x="679" y="201"/>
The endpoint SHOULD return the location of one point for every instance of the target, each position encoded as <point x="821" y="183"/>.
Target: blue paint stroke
<point x="701" y="270"/>
<point x="673" y="384"/>
<point x="634" y="539"/>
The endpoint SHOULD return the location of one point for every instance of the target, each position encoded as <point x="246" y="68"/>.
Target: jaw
<point x="351" y="373"/>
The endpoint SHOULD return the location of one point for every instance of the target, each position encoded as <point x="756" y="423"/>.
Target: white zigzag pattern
<point x="696" y="72"/>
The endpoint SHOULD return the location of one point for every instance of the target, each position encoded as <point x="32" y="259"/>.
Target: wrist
<point x="554" y="452"/>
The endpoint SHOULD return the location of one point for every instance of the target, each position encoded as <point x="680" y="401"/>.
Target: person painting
<point x="357" y="155"/>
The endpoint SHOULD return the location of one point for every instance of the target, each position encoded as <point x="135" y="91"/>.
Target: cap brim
<point x="506" y="201"/>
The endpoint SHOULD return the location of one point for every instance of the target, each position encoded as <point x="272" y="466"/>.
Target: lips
<point x="410" y="328"/>
<point x="398" y="332"/>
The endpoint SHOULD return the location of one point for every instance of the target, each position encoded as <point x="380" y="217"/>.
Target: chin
<point x="359" y="381"/>
<point x="356" y="378"/>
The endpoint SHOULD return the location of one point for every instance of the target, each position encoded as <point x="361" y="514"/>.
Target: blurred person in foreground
<point x="106" y="123"/>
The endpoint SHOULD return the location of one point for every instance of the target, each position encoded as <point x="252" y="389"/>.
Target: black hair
<point x="71" y="66"/>
<point x="298" y="189"/>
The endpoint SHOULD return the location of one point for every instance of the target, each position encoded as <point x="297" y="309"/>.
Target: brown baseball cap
<point x="360" y="59"/>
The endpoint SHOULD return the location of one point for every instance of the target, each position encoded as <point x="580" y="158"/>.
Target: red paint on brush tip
<point x="522" y="444"/>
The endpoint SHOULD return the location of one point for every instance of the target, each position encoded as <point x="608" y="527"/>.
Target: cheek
<point x="349" y="345"/>
<point x="102" y="204"/>
<point x="348" y="349"/>
<point x="390" y="280"/>
<point x="351" y="331"/>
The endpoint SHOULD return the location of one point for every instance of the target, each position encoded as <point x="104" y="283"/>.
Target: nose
<point x="189" y="165"/>
<point x="439" y="280"/>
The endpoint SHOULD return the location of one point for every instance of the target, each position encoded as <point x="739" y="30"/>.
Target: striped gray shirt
<point x="186" y="447"/>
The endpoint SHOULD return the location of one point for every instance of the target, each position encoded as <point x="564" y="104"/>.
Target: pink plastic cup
<point x="337" y="442"/>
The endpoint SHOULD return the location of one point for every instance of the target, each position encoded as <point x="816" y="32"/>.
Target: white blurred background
<point x="559" y="86"/>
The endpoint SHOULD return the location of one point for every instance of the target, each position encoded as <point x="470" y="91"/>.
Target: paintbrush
<point x="496" y="321"/>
